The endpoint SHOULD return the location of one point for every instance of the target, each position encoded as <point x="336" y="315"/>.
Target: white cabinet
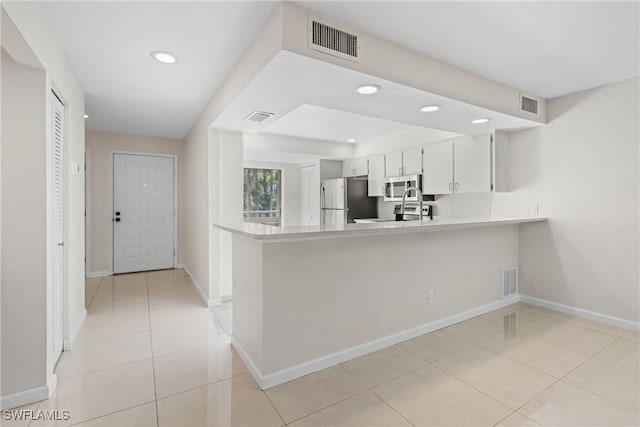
<point x="412" y="161"/>
<point x="355" y="167"/>
<point x="408" y="162"/>
<point x="472" y="164"/>
<point x="437" y="177"/>
<point x="461" y="165"/>
<point x="376" y="175"/>
<point x="393" y="164"/>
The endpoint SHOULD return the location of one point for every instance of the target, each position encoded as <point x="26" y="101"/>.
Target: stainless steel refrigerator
<point x="344" y="199"/>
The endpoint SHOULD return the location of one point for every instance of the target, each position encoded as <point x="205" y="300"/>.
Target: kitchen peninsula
<point x="306" y="298"/>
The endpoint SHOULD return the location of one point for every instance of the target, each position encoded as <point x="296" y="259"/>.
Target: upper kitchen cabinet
<point x="437" y="177"/>
<point x="376" y="175"/>
<point x="412" y="161"/>
<point x="472" y="164"/>
<point x="408" y="162"/>
<point x="461" y="165"/>
<point x="355" y="167"/>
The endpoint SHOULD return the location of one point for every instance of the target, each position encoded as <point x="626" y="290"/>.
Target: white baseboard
<point x="591" y="315"/>
<point x="52" y="383"/>
<point x="24" y="397"/>
<point x="94" y="274"/>
<point x="209" y="302"/>
<point x="271" y="380"/>
<point x="68" y="344"/>
<point x="226" y="298"/>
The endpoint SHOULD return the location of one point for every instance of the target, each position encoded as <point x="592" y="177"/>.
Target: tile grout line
<point x="153" y="364"/>
<point x="110" y="413"/>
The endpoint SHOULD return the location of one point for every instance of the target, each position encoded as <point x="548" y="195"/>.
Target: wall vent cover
<point x="328" y="39"/>
<point x="509" y="281"/>
<point x="258" y="116"/>
<point x="529" y="105"/>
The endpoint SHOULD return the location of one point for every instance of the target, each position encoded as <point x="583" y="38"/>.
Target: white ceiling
<point x="109" y="45"/>
<point x="548" y="48"/>
<point x="545" y="48"/>
<point x="291" y="80"/>
<point x="311" y="121"/>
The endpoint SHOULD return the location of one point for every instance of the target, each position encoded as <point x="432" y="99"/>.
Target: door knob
<point x="118" y="213"/>
<point x="117" y="219"/>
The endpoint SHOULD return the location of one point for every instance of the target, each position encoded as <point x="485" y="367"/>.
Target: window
<point x="262" y="200"/>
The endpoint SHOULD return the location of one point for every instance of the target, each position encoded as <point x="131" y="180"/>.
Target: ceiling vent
<point x="529" y="105"/>
<point x="328" y="39"/>
<point x="258" y="116"/>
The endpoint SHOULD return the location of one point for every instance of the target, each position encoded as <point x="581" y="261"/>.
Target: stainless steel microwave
<point x="394" y="188"/>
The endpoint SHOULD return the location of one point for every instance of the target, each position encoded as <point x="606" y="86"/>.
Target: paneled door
<point x="143" y="212"/>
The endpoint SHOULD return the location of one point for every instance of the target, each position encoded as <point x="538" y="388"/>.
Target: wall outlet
<point x="534" y="209"/>
<point x="429" y="296"/>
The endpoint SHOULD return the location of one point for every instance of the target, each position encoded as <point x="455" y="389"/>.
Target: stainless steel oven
<point x="395" y="186"/>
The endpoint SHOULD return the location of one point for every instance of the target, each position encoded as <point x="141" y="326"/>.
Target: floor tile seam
<point x="321" y="409"/>
<point x="174" y="325"/>
<point x="190" y="389"/>
<point x="582" y="325"/>
<point x="431" y="362"/>
<point x="392" y="408"/>
<point x="94" y="295"/>
<point x="209" y="383"/>
<point x="274" y="407"/>
<point x="111" y="338"/>
<point x="389" y="380"/>
<point x="613" y="363"/>
<point x="475" y="388"/>
<point x="153" y="364"/>
<point x="502" y="419"/>
<point x="563" y="379"/>
<point x="112" y="413"/>
<point x="518" y="361"/>
<point x="65" y="379"/>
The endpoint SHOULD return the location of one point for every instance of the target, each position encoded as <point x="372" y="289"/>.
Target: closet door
<point x="57" y="224"/>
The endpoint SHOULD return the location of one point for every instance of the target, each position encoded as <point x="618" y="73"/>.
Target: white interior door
<point x="57" y="225"/>
<point x="143" y="213"/>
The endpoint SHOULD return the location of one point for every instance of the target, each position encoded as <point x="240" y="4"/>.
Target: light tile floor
<point x="150" y="354"/>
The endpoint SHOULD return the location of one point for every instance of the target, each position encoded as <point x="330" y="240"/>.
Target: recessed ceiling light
<point x="86" y="116"/>
<point x="351" y="140"/>
<point x="430" y="108"/>
<point x="164" y="57"/>
<point x="479" y="121"/>
<point x="367" y="89"/>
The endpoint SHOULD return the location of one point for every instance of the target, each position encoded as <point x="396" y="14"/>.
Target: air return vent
<point x="529" y="105"/>
<point x="331" y="40"/>
<point x="509" y="281"/>
<point x="258" y="116"/>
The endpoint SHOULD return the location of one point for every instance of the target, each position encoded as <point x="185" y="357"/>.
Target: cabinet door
<point x="348" y="168"/>
<point x="376" y="175"/>
<point x="304" y="196"/>
<point x="412" y="161"/>
<point x="437" y="176"/>
<point x="361" y="166"/>
<point x="393" y="164"/>
<point x="472" y="164"/>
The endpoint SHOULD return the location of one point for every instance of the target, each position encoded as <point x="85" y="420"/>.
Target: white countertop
<point x="271" y="233"/>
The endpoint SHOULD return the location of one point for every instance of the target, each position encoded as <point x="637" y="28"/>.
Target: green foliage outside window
<point x="262" y="201"/>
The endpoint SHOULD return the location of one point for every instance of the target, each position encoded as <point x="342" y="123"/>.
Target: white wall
<point x="290" y="177"/>
<point x="398" y="141"/>
<point x="24" y="251"/>
<point x="200" y="251"/>
<point x="31" y="22"/>
<point x="582" y="169"/>
<point x="99" y="146"/>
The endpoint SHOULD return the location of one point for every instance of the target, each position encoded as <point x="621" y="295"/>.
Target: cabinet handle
<point x="450" y="187"/>
<point x="457" y="186"/>
<point x="399" y="171"/>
